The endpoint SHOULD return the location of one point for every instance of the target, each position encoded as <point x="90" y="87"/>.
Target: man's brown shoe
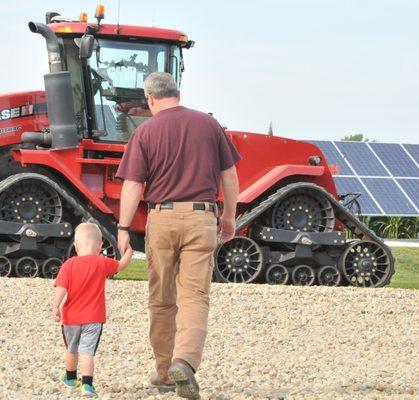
<point x="160" y="384"/>
<point x="184" y="378"/>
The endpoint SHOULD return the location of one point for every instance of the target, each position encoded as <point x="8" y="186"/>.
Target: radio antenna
<point x="119" y="10"/>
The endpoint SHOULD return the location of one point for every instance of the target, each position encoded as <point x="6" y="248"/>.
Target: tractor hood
<point x="21" y="112"/>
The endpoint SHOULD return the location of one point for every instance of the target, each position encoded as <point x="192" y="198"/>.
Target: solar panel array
<point x="387" y="174"/>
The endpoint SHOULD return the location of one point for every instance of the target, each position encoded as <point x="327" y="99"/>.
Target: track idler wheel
<point x="303" y="275"/>
<point x="27" y="267"/>
<point x="366" y="264"/>
<point x="303" y="210"/>
<point x="328" y="276"/>
<point x="239" y="261"/>
<point x="51" y="267"/>
<point x="6" y="267"/>
<point x="277" y="274"/>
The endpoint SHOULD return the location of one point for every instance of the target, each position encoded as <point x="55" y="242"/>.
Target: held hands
<point x="56" y="313"/>
<point x="227" y="228"/>
<point x="123" y="242"/>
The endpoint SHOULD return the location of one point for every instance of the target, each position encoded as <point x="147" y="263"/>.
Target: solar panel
<point x="333" y="157"/>
<point x="395" y="159"/>
<point x="361" y="158"/>
<point x="413" y="150"/>
<point x="389" y="196"/>
<point x="346" y="185"/>
<point x="411" y="187"/>
<point x="376" y="165"/>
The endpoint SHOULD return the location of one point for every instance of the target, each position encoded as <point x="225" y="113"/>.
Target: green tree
<point x="359" y="137"/>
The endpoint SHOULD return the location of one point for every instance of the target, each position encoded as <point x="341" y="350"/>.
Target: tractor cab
<point x="108" y="65"/>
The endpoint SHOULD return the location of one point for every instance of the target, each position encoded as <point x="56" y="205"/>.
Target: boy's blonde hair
<point x="88" y="231"/>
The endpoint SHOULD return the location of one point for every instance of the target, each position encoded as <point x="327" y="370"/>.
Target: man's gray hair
<point x="160" y="85"/>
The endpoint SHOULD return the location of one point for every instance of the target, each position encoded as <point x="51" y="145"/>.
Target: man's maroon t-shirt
<point x="179" y="153"/>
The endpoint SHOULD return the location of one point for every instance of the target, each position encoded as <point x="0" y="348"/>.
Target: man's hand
<point x="227" y="228"/>
<point x="56" y="313"/>
<point x="123" y="241"/>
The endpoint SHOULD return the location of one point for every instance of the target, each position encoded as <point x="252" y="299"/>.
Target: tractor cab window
<point x="118" y="70"/>
<point x="118" y="73"/>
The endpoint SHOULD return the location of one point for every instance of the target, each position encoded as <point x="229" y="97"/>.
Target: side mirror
<point x="86" y="46"/>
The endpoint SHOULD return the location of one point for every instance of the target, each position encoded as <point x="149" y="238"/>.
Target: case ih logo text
<point x="10" y="129"/>
<point x="16" y="112"/>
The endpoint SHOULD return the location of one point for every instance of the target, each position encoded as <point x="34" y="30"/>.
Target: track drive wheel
<point x="366" y="264"/>
<point x="303" y="275"/>
<point x="51" y="267"/>
<point x="31" y="201"/>
<point x="27" y="267"/>
<point x="328" y="275"/>
<point x="238" y="261"/>
<point x="277" y="274"/>
<point x="303" y="210"/>
<point x="6" y="267"/>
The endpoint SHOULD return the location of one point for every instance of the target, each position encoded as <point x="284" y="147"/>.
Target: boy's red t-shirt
<point x="84" y="277"/>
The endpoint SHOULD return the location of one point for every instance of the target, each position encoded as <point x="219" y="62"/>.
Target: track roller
<point x="366" y="264"/>
<point x="51" y="267"/>
<point x="328" y="275"/>
<point x="277" y="274"/>
<point x="239" y="261"/>
<point x="303" y="275"/>
<point x="27" y="267"/>
<point x="6" y="267"/>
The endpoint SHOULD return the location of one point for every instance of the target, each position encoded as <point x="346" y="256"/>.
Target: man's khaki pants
<point x="179" y="246"/>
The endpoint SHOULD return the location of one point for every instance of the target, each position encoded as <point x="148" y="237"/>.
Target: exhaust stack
<point x="61" y="115"/>
<point x="53" y="47"/>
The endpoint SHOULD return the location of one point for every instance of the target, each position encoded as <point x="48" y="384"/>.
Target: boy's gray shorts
<point x="83" y="339"/>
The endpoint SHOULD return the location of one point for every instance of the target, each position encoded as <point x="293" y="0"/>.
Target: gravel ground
<point x="264" y="343"/>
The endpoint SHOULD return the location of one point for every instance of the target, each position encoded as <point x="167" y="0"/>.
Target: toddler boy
<point x="83" y="279"/>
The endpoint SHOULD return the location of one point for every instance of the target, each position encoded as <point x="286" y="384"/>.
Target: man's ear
<point x="76" y="247"/>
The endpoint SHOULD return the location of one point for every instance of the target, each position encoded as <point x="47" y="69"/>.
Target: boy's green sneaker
<point x="70" y="383"/>
<point x="88" y="391"/>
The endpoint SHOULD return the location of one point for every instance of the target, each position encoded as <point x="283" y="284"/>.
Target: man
<point x="182" y="155"/>
<point x="134" y="107"/>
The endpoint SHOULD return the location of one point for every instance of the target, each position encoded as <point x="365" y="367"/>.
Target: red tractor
<point x="60" y="149"/>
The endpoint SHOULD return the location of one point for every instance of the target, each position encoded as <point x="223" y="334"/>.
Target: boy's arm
<point x="60" y="292"/>
<point x="125" y="260"/>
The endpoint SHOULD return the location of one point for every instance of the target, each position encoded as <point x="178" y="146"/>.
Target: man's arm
<point x="60" y="293"/>
<point x="230" y="190"/>
<point x="130" y="197"/>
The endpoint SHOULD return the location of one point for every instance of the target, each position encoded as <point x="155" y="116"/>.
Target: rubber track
<point x="360" y="230"/>
<point x="69" y="198"/>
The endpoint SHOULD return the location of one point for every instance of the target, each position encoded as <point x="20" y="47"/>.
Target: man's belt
<point x="169" y="205"/>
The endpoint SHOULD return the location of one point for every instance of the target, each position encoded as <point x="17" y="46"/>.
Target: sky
<point x="318" y="69"/>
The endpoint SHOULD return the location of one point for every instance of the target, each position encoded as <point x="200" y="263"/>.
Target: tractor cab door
<point x="117" y="70"/>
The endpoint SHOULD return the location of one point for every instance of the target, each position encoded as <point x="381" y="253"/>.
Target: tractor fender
<point x="48" y="158"/>
<point x="274" y="176"/>
<point x="72" y="201"/>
